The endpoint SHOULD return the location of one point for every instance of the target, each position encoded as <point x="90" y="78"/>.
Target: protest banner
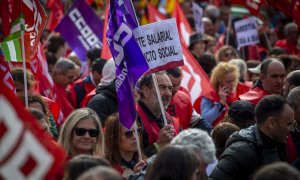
<point x="5" y="75"/>
<point x="27" y="152"/>
<point x="160" y="45"/>
<point x="81" y="28"/>
<point x="129" y="60"/>
<point x="183" y="25"/>
<point x="246" y="32"/>
<point x="198" y="13"/>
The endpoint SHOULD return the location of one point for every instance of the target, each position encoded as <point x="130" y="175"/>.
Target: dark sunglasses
<point x="82" y="131"/>
<point x="129" y="134"/>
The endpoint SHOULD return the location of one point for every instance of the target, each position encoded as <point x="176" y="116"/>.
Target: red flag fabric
<point x="5" y="75"/>
<point x="153" y="14"/>
<point x="252" y="5"/>
<point x="194" y="78"/>
<point x="184" y="28"/>
<point x="297" y="12"/>
<point x="27" y="152"/>
<point x="35" y="22"/>
<point x="56" y="13"/>
<point x="6" y="10"/>
<point x="105" y="52"/>
<point x="39" y="67"/>
<point x="284" y="6"/>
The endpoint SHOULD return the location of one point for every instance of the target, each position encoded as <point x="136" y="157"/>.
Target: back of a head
<point x="271" y="105"/>
<point x="199" y="138"/>
<point x="98" y="65"/>
<point x="220" y="135"/>
<point x="294" y="97"/>
<point x="174" y="162"/>
<point x="241" y="113"/>
<point x="100" y="173"/>
<point x="81" y="164"/>
<point x="293" y="78"/>
<point x="241" y="65"/>
<point x="93" y="54"/>
<point x="55" y="42"/>
<point x="175" y="72"/>
<point x="207" y="62"/>
<point x="108" y="72"/>
<point x="276" y="51"/>
<point x="277" y="171"/>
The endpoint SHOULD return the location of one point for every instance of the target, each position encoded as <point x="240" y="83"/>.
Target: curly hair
<point x="219" y="72"/>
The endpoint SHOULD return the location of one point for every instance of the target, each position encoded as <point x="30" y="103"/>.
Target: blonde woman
<point x="213" y="105"/>
<point x="81" y="133"/>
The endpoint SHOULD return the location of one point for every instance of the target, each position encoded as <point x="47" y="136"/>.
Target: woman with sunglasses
<point x="226" y="53"/>
<point x="121" y="147"/>
<point x="81" y="133"/>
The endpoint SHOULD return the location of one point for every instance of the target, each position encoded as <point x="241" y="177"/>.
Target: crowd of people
<point x="248" y="127"/>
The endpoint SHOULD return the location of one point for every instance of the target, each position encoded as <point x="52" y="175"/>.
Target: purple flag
<point x="129" y="59"/>
<point x="81" y="28"/>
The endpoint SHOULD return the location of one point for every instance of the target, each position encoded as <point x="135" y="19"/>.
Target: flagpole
<point x="137" y="140"/>
<point x="228" y="30"/>
<point x="24" y="64"/>
<point x="154" y="81"/>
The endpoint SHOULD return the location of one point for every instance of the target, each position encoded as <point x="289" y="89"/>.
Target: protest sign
<point x="160" y="44"/>
<point x="198" y="13"/>
<point x="246" y="32"/>
<point x="81" y="28"/>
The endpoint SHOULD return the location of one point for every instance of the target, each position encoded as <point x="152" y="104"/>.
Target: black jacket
<point x="105" y="101"/>
<point x="246" y="151"/>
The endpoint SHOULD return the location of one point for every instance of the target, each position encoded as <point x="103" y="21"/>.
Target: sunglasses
<point x="129" y="134"/>
<point x="229" y="54"/>
<point x="82" y="131"/>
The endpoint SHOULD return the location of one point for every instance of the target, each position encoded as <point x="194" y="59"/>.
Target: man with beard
<point x="272" y="74"/>
<point x="155" y="133"/>
<point x="261" y="144"/>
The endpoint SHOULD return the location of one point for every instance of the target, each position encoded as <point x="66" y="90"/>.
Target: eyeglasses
<point x="82" y="131"/>
<point x="227" y="54"/>
<point x="129" y="134"/>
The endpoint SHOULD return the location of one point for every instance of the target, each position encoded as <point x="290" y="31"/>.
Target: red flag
<point x="27" y="152"/>
<point x="6" y="10"/>
<point x="154" y="14"/>
<point x="194" y="78"/>
<point x="284" y="6"/>
<point x="5" y="75"/>
<point x="105" y="52"/>
<point x="56" y="13"/>
<point x="183" y="25"/>
<point x="252" y="5"/>
<point x="297" y="12"/>
<point x="32" y="12"/>
<point x="40" y="69"/>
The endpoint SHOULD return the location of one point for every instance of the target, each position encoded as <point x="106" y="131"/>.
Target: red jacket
<point x="61" y="97"/>
<point x="254" y="95"/>
<point x="151" y="127"/>
<point x="181" y="107"/>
